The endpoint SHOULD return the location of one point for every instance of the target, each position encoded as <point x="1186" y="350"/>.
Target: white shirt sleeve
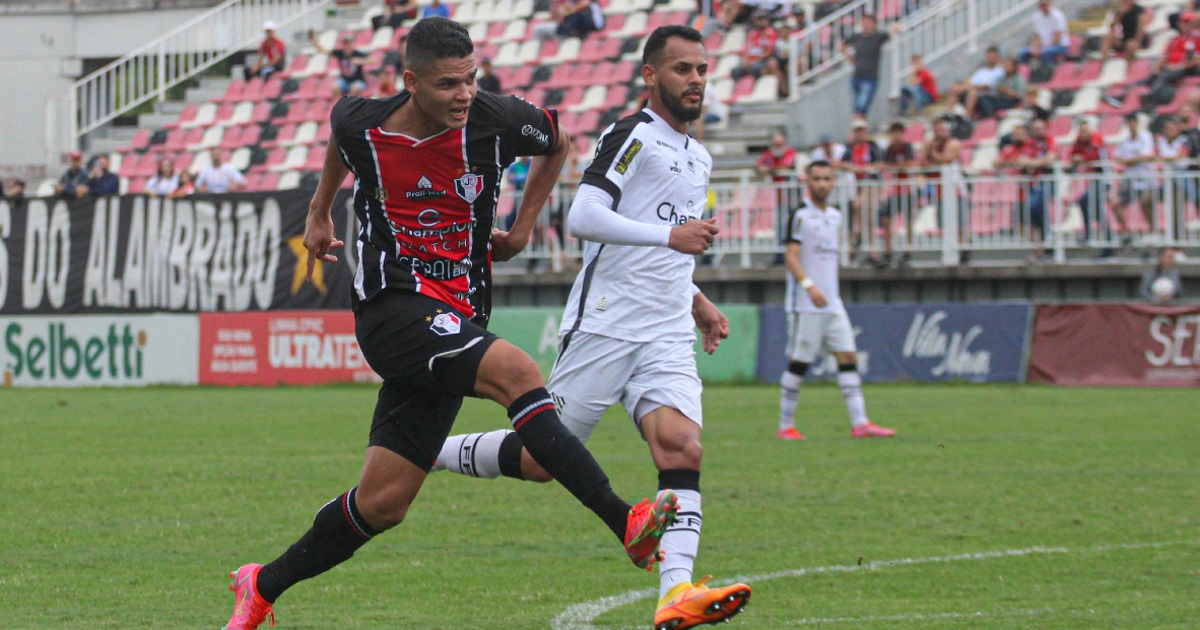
<point x="592" y="218"/>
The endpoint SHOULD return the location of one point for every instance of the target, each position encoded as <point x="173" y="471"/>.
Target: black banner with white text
<point x="229" y="253"/>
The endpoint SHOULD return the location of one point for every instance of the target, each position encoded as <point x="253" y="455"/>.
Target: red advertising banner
<point x="289" y="347"/>
<point x="1116" y="344"/>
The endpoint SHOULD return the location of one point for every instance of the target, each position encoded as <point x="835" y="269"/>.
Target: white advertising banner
<point x="92" y="350"/>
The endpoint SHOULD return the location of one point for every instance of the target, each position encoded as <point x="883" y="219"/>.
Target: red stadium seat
<point x="186" y="116"/>
<point x="141" y="139"/>
<point x="232" y="138"/>
<point x="234" y="92"/>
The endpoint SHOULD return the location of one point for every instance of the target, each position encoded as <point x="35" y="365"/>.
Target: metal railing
<point x="148" y="71"/>
<point x="938" y="215"/>
<point x="934" y="28"/>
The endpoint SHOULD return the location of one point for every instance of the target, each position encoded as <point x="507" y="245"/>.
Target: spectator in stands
<point x="1135" y="152"/>
<point x="778" y="164"/>
<point x="1162" y="283"/>
<point x="1086" y="157"/>
<point x="72" y="179"/>
<point x="395" y="57"/>
<point x="1032" y="105"/>
<point x="394" y="13"/>
<point x="1030" y="154"/>
<point x="272" y="53"/>
<point x="864" y="51"/>
<point x="1189" y="6"/>
<point x="901" y="197"/>
<point x="1127" y="33"/>
<point x="939" y="155"/>
<point x="1008" y="93"/>
<point x="387" y="82"/>
<point x="863" y="157"/>
<point x="436" y="9"/>
<point x="165" y="181"/>
<point x="983" y="81"/>
<point x="759" y="56"/>
<point x="101" y="182"/>
<point x="14" y="193"/>
<point x="187" y="186"/>
<point x="580" y="18"/>
<point x="1176" y="151"/>
<point x="351" y="79"/>
<point x="919" y="90"/>
<point x="220" y="176"/>
<point x="1178" y="61"/>
<point x="488" y="81"/>
<point x="778" y="161"/>
<point x="1051" y="35"/>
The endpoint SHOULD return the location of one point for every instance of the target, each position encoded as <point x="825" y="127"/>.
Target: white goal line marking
<point x="580" y="616"/>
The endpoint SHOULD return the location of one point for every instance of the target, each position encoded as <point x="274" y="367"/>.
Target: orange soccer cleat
<point x="789" y="433"/>
<point x="645" y="526"/>
<point x="689" y="605"/>
<point x="249" y="608"/>
<point x="869" y="430"/>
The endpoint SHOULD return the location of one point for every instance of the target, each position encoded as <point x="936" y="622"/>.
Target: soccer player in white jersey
<point x="628" y="331"/>
<point x="817" y="319"/>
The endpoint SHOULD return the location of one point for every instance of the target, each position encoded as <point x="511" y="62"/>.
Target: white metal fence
<point x="936" y="216"/>
<point x="148" y="71"/>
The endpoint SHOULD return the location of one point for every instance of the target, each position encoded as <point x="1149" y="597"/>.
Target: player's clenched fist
<point x="693" y="237"/>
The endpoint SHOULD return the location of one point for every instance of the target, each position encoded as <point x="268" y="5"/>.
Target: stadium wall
<point x="211" y="290"/>
<point x="44" y="53"/>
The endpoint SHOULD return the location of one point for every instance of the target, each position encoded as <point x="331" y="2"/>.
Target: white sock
<point x="680" y="543"/>
<point x="851" y="384"/>
<point x="789" y="394"/>
<point x="473" y="454"/>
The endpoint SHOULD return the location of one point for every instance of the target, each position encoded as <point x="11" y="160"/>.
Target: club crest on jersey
<point x="627" y="158"/>
<point x="381" y="194"/>
<point x="446" y="324"/>
<point x="469" y="186"/>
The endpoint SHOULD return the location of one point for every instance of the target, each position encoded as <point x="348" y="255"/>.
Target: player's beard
<point x="681" y="112"/>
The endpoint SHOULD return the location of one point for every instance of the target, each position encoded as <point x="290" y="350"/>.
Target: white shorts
<point x="811" y="333"/>
<point x="595" y="372"/>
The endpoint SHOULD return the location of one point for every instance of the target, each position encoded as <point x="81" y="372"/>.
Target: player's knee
<point x="382" y="509"/>
<point x="799" y="368"/>
<point x="690" y="453"/>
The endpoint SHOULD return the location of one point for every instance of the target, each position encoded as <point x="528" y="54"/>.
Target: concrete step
<point x="170" y="107"/>
<point x="98" y="144"/>
<point x="202" y="94"/>
<point x="156" y="121"/>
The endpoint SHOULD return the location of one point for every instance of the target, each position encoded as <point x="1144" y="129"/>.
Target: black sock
<point x="337" y="532"/>
<point x="552" y="446"/>
<point x="510" y="456"/>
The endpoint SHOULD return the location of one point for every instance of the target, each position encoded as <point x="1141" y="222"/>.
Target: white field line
<point x="580" y="616"/>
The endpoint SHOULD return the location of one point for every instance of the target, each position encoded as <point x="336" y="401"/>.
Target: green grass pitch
<point x="997" y="507"/>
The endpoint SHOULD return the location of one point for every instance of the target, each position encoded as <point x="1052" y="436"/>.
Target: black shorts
<point x="428" y="355"/>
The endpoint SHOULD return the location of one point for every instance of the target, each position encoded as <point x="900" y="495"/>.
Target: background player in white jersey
<point x="817" y="319"/>
<point x="627" y="334"/>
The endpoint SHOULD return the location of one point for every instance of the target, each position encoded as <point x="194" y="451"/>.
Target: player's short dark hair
<point x="435" y="38"/>
<point x="896" y="127"/>
<point x="653" y="51"/>
<point x="817" y="164"/>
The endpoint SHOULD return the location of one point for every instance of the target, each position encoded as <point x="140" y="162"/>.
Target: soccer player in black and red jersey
<point x="428" y="164"/>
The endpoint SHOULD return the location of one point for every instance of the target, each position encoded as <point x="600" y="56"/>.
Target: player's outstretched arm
<point x="319" y="236"/>
<point x="543" y="174"/>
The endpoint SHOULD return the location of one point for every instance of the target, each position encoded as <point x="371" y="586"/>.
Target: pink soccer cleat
<point x="869" y="430"/>
<point x="250" y="610"/>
